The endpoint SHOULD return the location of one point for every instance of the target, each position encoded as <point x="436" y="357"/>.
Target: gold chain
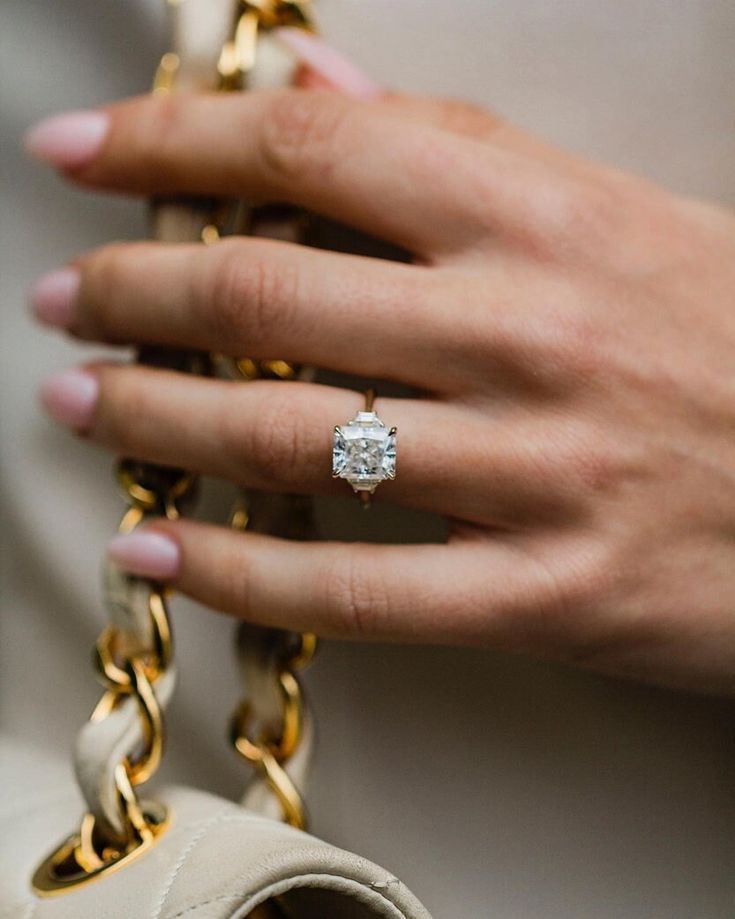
<point x="269" y="752"/>
<point x="268" y="749"/>
<point x="132" y="662"/>
<point x="252" y="17"/>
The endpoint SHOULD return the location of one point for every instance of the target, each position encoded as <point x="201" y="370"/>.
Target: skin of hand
<point x="570" y="328"/>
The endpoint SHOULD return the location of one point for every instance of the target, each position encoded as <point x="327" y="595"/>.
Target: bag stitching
<point x="204" y="827"/>
<point x="195" y="906"/>
<point x="212" y="821"/>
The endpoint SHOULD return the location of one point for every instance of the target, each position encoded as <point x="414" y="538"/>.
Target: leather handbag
<point x="184" y="852"/>
<point x="216" y="860"/>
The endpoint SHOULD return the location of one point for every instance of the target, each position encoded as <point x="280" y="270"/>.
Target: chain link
<point x="252" y="17"/>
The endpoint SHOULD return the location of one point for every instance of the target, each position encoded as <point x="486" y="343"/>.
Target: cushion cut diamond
<point x="364" y="452"/>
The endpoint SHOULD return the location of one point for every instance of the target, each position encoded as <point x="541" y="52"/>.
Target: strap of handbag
<point x="216" y="46"/>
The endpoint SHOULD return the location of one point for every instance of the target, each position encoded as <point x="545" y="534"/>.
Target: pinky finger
<point x="457" y="593"/>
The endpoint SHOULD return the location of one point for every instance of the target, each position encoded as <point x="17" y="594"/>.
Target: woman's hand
<point x="572" y="330"/>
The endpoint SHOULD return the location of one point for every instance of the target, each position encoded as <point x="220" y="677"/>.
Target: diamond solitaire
<point x="364" y="452"/>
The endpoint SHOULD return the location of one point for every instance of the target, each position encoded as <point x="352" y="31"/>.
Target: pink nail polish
<point x="341" y="73"/>
<point x="71" y="397"/>
<point x="150" y="555"/>
<point x="53" y="297"/>
<point x="68" y="141"/>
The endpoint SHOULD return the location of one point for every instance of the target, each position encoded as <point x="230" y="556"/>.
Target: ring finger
<point x="278" y="436"/>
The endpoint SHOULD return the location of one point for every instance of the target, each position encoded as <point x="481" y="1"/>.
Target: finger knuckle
<point x="252" y="296"/>
<point x="466" y="118"/>
<point x="231" y="583"/>
<point x="154" y="127"/>
<point x="437" y="156"/>
<point x="104" y="273"/>
<point x="591" y="470"/>
<point x="590" y="463"/>
<point x="122" y="410"/>
<point x="597" y="470"/>
<point x="301" y="134"/>
<point x="567" y="345"/>
<point x="275" y="449"/>
<point x="562" y="208"/>
<point x="575" y="215"/>
<point x="584" y="581"/>
<point x="356" y="603"/>
<point x="571" y="587"/>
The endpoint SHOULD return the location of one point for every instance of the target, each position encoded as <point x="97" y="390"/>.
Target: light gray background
<point x="494" y="787"/>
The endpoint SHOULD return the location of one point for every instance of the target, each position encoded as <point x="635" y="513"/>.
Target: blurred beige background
<point x="492" y="786"/>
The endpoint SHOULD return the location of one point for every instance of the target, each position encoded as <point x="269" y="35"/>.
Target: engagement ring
<point x="364" y="451"/>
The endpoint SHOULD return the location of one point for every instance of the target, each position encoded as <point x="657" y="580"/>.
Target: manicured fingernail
<point x="341" y="73"/>
<point x="71" y="397"/>
<point x="150" y="555"/>
<point x="53" y="297"/>
<point x="68" y="141"/>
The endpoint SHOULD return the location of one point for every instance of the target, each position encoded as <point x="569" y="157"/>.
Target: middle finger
<point x="268" y="299"/>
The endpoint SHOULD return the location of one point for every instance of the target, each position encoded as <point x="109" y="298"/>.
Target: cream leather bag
<point x="184" y="852"/>
<point x="215" y="860"/>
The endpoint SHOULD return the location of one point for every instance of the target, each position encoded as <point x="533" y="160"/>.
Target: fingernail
<point x="71" y="397"/>
<point x="53" y="297"/>
<point x="150" y="555"/>
<point x="67" y="141"/>
<point x="341" y="73"/>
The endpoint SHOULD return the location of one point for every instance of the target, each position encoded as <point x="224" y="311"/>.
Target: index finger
<point x="410" y="183"/>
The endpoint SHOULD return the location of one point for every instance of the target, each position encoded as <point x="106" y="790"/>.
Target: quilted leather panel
<point x="216" y="861"/>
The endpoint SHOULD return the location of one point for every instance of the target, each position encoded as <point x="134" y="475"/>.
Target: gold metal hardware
<point x="163" y="82"/>
<point x="269" y="753"/>
<point x="85" y="857"/>
<point x="130" y="667"/>
<point x="94" y="850"/>
<point x="238" y="55"/>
